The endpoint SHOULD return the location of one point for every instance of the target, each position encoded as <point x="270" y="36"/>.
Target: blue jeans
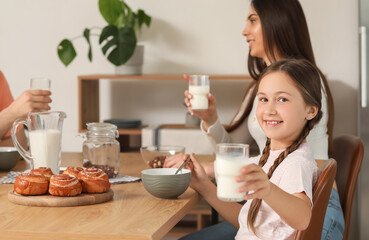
<point x="220" y="231"/>
<point x="334" y="222"/>
<point x="333" y="227"/>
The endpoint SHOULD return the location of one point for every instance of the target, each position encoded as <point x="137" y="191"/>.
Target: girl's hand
<point x="175" y="161"/>
<point x="210" y="115"/>
<point x="199" y="178"/>
<point x="256" y="180"/>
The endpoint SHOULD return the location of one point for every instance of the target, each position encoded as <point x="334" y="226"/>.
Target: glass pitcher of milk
<point x="230" y="158"/>
<point x="44" y="131"/>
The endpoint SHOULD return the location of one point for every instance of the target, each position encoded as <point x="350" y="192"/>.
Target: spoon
<point x="183" y="164"/>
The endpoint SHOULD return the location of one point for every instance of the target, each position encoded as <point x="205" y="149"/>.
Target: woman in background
<point x="275" y="29"/>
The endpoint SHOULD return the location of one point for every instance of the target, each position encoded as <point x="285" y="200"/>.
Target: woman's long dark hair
<point x="306" y="78"/>
<point x="286" y="33"/>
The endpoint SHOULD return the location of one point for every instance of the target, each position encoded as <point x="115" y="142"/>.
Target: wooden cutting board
<point x="54" y="201"/>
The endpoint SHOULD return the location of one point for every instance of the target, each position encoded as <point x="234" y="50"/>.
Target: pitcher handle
<point x="25" y="154"/>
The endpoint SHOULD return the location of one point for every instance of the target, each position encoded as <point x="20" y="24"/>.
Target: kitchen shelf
<point x="88" y="95"/>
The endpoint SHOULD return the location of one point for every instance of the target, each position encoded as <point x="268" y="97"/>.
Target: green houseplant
<point x="117" y="40"/>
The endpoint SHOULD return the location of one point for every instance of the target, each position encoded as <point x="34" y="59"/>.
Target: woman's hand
<point x="30" y="101"/>
<point x="256" y="180"/>
<point x="210" y="115"/>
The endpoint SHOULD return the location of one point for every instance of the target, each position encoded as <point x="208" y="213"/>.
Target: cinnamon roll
<point x="31" y="184"/>
<point x="44" y="171"/>
<point x="73" y="171"/>
<point x="64" y="185"/>
<point x="94" y="180"/>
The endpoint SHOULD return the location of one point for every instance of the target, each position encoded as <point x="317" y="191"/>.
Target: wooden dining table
<point x="132" y="214"/>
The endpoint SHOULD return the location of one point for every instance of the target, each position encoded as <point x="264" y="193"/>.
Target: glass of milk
<point x="229" y="160"/>
<point x="44" y="131"/>
<point x="199" y="87"/>
<point x="40" y="83"/>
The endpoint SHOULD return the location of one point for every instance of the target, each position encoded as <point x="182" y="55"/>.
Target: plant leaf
<point x="66" y="52"/>
<point x="118" y="44"/>
<point x="110" y="10"/>
<point x="142" y="18"/>
<point x="86" y="34"/>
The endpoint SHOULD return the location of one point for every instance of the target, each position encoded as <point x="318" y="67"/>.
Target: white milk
<point x="228" y="168"/>
<point x="45" y="148"/>
<point x="199" y="100"/>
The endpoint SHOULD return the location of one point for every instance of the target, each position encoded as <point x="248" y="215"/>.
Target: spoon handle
<point x="183" y="164"/>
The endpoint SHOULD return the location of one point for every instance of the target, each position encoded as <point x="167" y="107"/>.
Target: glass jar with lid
<point x="101" y="149"/>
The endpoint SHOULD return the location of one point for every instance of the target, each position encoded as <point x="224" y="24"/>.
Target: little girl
<point x="280" y="186"/>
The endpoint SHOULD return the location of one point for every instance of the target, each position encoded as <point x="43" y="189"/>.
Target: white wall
<point x="185" y="37"/>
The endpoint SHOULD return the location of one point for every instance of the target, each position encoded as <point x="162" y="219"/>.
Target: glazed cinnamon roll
<point x="31" y="184"/>
<point x="44" y="171"/>
<point x="94" y="180"/>
<point x="64" y="185"/>
<point x="73" y="171"/>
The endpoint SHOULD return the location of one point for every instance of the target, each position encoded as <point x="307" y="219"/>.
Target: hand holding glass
<point x="230" y="158"/>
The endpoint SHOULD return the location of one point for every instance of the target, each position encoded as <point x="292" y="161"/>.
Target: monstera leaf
<point x="118" y="44"/>
<point x="66" y="51"/>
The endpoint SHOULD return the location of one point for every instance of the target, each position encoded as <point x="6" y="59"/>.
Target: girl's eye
<point x="263" y="99"/>
<point x="252" y="20"/>
<point x="282" y="99"/>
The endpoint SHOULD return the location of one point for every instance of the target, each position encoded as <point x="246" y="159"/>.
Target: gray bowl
<point x="9" y="157"/>
<point x="162" y="183"/>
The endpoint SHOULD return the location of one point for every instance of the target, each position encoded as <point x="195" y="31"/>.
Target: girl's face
<point x="254" y="36"/>
<point x="281" y="111"/>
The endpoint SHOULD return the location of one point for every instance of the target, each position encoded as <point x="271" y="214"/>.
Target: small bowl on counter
<point x="9" y="157"/>
<point x="154" y="156"/>
<point x="163" y="183"/>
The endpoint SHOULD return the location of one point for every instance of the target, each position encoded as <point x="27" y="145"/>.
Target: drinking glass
<point x="229" y="160"/>
<point x="40" y="83"/>
<point x="199" y="87"/>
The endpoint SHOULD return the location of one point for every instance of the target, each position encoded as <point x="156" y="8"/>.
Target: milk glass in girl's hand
<point x="230" y="158"/>
<point x="199" y="87"/>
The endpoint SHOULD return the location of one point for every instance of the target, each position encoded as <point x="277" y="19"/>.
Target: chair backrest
<point x="321" y="193"/>
<point x="348" y="152"/>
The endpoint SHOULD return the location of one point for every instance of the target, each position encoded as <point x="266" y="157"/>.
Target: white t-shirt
<point x="250" y="129"/>
<point x="297" y="173"/>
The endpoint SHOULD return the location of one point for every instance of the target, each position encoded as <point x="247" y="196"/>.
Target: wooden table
<point x="133" y="213"/>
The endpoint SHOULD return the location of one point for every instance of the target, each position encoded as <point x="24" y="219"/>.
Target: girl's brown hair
<point x="307" y="79"/>
<point x="286" y="33"/>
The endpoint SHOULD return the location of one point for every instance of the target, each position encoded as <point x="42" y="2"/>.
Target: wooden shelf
<point x="88" y="94"/>
<point x="159" y="77"/>
<point x="126" y="131"/>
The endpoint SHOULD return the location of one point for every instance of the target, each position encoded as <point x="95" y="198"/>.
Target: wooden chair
<point x="321" y="193"/>
<point x="348" y="152"/>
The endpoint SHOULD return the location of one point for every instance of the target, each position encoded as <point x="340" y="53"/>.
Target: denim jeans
<point x="220" y="231"/>
<point x="334" y="223"/>
<point x="333" y="227"/>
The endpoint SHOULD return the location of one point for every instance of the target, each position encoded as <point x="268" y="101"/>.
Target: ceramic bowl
<point x="163" y="183"/>
<point x="9" y="157"/>
<point x="155" y="155"/>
